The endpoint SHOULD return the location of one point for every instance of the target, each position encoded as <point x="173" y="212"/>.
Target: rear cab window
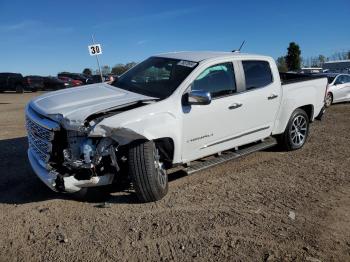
<point x="257" y="74"/>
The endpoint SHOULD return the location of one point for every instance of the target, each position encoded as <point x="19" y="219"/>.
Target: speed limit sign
<point x="95" y="49"/>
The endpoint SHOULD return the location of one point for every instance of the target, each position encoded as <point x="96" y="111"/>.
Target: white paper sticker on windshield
<point x="187" y="63"/>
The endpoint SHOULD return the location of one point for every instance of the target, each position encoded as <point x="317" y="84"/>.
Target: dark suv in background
<point x="34" y="83"/>
<point x="12" y="82"/>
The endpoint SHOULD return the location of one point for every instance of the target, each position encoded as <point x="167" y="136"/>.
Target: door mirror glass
<point x="198" y="97"/>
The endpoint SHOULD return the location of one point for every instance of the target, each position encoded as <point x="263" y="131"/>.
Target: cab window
<point x="257" y="74"/>
<point x="218" y="80"/>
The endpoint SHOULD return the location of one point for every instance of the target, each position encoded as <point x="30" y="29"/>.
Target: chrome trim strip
<point x="236" y="137"/>
<point x="49" y="178"/>
<point x="44" y="122"/>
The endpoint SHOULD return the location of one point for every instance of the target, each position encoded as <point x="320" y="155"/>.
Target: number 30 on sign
<point x="95" y="49"/>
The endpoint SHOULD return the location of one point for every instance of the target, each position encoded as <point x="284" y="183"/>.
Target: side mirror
<point x="198" y="97"/>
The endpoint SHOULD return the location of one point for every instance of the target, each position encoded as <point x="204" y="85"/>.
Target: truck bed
<point x="289" y="78"/>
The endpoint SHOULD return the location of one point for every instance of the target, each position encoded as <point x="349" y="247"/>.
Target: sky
<point x="46" y="37"/>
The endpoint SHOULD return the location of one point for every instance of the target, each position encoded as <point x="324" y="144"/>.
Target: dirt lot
<point x="268" y="206"/>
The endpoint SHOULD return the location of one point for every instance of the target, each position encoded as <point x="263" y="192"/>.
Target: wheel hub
<point x="298" y="130"/>
<point x="159" y="166"/>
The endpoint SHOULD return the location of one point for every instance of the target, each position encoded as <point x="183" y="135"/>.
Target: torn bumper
<point x="71" y="184"/>
<point x="49" y="178"/>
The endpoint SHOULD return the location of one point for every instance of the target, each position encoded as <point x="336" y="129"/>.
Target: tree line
<point x="118" y="69"/>
<point x="293" y="60"/>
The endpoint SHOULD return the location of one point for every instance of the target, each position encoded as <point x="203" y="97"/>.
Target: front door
<point x="205" y="124"/>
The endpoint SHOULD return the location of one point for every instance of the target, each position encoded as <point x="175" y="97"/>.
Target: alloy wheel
<point x="161" y="172"/>
<point x="329" y="100"/>
<point x="298" y="130"/>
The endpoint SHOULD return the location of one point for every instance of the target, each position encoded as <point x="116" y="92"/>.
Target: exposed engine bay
<point x="82" y="161"/>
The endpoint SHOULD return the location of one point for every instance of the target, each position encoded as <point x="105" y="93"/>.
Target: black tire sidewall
<point x="144" y="174"/>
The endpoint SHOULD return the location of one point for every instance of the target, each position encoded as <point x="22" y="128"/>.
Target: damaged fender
<point x="125" y="128"/>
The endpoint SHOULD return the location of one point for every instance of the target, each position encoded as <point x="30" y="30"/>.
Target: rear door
<point x="260" y="100"/>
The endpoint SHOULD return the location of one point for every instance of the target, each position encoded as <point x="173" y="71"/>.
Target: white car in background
<point x="338" y="88"/>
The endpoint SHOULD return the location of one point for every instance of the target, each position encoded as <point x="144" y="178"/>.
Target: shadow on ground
<point x="19" y="184"/>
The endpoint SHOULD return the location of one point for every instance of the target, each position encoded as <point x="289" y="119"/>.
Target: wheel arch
<point x="165" y="145"/>
<point x="309" y="110"/>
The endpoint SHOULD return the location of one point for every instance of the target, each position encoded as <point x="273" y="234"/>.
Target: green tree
<point x="321" y="60"/>
<point x="106" y="70"/>
<point x="130" y="65"/>
<point x="293" y="58"/>
<point x="281" y="64"/>
<point x="118" y="69"/>
<point x="87" y="71"/>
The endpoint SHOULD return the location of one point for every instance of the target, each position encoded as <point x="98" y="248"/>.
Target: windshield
<point x="157" y="76"/>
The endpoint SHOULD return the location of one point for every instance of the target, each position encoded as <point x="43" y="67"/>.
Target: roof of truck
<point x="197" y="56"/>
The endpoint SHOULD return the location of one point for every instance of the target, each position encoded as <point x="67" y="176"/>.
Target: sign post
<point x="96" y="50"/>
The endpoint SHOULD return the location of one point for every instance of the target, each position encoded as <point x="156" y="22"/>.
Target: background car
<point x="338" y="88"/>
<point x="71" y="82"/>
<point x="75" y="76"/>
<point x="97" y="79"/>
<point x="12" y="82"/>
<point x="53" y="83"/>
<point x="34" y="83"/>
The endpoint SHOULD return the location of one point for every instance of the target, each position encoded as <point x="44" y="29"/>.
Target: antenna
<point x="241" y="46"/>
<point x="239" y="50"/>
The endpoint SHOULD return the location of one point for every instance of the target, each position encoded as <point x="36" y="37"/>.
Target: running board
<point x="229" y="155"/>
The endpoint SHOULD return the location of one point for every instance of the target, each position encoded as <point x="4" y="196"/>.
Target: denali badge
<point x="199" y="138"/>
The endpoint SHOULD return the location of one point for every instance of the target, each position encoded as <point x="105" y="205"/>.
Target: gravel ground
<point x="268" y="206"/>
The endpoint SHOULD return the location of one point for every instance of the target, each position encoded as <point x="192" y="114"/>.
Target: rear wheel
<point x="329" y="100"/>
<point x="147" y="171"/>
<point x="297" y="131"/>
<point x="19" y="89"/>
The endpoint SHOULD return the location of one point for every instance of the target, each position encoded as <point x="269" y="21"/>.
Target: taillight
<point x="28" y="80"/>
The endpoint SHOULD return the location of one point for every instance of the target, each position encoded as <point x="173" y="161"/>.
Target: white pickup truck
<point x="168" y="111"/>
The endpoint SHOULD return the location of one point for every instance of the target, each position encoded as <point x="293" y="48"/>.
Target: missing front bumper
<point x="70" y="184"/>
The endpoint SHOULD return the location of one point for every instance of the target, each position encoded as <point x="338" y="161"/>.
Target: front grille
<point x="40" y="135"/>
<point x="38" y="130"/>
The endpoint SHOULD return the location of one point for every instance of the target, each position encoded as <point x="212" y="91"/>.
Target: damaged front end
<point x="67" y="160"/>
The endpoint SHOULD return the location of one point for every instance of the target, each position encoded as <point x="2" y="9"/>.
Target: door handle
<point x="234" y="106"/>
<point x="273" y="96"/>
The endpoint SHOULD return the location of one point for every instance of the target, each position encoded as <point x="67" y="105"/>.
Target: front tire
<point x="329" y="100"/>
<point x="297" y="131"/>
<point x="147" y="171"/>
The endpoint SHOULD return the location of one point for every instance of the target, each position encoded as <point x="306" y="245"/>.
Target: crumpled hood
<point x="77" y="103"/>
